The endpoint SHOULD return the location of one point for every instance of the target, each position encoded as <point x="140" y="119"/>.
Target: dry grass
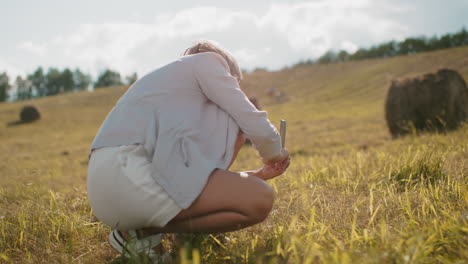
<point x="352" y="195"/>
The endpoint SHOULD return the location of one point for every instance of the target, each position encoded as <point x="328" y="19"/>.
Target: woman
<point x="159" y="161"/>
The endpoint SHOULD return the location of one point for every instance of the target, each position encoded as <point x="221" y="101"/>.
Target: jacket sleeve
<point x="212" y="74"/>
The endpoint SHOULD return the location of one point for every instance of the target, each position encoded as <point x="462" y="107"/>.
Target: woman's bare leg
<point x="230" y="201"/>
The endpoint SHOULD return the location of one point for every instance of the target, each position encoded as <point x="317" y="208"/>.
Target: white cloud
<point x="12" y="69"/>
<point x="32" y="48"/>
<point x="348" y="46"/>
<point x="282" y="35"/>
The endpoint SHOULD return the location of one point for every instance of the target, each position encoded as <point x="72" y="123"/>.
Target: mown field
<point x="351" y="195"/>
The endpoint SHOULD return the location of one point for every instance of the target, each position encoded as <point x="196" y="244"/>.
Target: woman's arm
<point x="212" y="74"/>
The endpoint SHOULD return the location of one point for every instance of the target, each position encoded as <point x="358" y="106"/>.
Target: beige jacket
<point x="187" y="114"/>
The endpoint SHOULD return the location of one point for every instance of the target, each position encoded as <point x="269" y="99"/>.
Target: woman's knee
<point x="262" y="204"/>
<point x="228" y="191"/>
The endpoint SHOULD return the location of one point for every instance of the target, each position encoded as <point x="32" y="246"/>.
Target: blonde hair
<point x="211" y="46"/>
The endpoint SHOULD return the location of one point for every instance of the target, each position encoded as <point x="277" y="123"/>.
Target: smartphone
<point x="283" y="133"/>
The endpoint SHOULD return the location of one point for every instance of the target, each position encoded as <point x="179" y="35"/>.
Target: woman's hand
<point x="271" y="168"/>
<point x="270" y="171"/>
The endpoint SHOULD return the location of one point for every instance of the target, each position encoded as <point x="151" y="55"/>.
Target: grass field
<point x="351" y="195"/>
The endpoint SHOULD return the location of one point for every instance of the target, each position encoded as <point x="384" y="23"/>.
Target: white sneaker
<point x="134" y="248"/>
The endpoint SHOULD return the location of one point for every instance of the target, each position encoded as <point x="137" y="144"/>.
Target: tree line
<point x="41" y="83"/>
<point x="411" y="45"/>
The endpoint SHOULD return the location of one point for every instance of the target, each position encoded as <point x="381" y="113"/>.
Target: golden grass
<point x="351" y="195"/>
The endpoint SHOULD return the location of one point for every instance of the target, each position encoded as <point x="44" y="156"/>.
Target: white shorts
<point x="122" y="192"/>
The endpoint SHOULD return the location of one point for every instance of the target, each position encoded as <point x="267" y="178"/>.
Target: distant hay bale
<point x="29" y="113"/>
<point x="431" y="102"/>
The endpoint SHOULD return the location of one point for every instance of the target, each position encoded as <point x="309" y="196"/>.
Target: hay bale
<point x="29" y="113"/>
<point x="431" y="102"/>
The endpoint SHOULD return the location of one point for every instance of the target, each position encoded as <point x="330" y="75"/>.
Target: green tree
<point x="54" y="81"/>
<point x="388" y="49"/>
<point x="328" y="57"/>
<point x="343" y="55"/>
<point x="67" y="81"/>
<point x="4" y="86"/>
<point x="412" y="46"/>
<point x="444" y="42"/>
<point x="359" y="54"/>
<point x="81" y="80"/>
<point x="131" y="78"/>
<point x="38" y="82"/>
<point x="24" y="89"/>
<point x="108" y="78"/>
<point x="460" y="38"/>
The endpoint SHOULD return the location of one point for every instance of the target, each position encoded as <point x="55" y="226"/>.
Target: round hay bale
<point x="29" y="113"/>
<point x="430" y="102"/>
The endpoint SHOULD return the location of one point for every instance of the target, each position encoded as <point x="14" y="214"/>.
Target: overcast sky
<point x="138" y="35"/>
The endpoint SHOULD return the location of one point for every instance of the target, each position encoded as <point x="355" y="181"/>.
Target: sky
<point x="141" y="35"/>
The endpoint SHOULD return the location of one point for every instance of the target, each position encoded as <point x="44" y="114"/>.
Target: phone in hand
<point x="283" y="133"/>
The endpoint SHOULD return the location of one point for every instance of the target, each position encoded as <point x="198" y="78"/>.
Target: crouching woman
<point x="159" y="163"/>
